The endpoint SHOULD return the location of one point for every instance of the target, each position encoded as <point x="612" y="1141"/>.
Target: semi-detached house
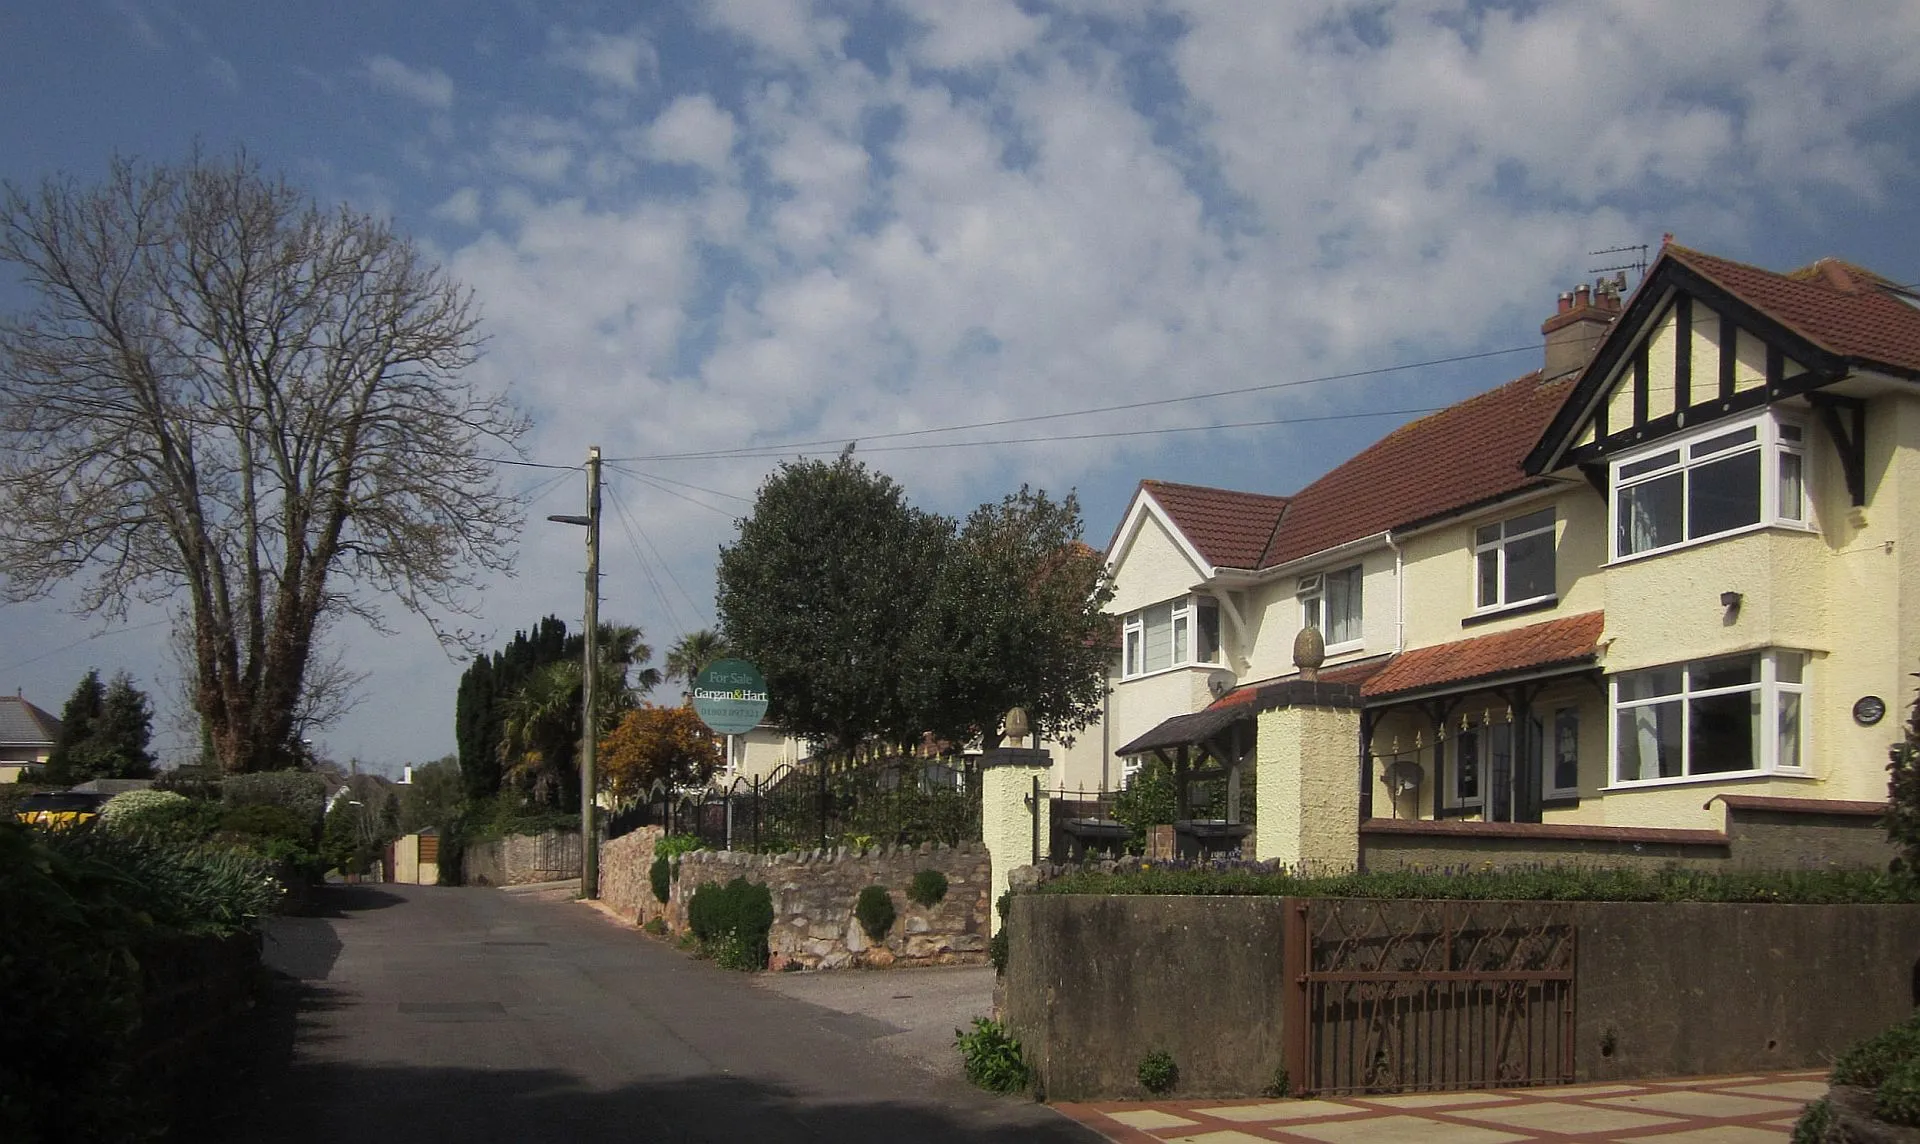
<point x="1678" y="562"/>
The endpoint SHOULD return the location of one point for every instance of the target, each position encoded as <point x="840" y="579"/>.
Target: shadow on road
<point x="279" y="1099"/>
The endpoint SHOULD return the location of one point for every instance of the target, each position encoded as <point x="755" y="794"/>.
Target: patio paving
<point x="1754" y="1108"/>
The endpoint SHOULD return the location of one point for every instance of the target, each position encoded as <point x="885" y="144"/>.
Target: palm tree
<point x="692" y="654"/>
<point x="540" y="729"/>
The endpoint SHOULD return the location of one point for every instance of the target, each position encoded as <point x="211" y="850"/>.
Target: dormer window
<point x="1715" y="482"/>
<point x="1184" y="632"/>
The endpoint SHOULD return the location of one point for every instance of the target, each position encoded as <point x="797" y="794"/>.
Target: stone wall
<point x="1094" y="983"/>
<point x="813" y="898"/>
<point x="522" y="859"/>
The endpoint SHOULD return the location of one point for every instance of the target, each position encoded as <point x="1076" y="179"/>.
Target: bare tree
<point x="228" y="398"/>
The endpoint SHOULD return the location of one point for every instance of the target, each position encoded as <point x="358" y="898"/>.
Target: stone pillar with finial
<point x="1013" y="805"/>
<point x="1308" y="744"/>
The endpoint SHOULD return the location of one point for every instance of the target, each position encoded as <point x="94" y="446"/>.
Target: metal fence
<point x="897" y="801"/>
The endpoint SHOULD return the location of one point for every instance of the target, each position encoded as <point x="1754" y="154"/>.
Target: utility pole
<point x="589" y="700"/>
<point x="589" y="697"/>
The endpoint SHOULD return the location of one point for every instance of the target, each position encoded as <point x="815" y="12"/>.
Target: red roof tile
<point x="1356" y="672"/>
<point x="1563" y="641"/>
<point x="1230" y="529"/>
<point x="1836" y="305"/>
<point x="1463" y="455"/>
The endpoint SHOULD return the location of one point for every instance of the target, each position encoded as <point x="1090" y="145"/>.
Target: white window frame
<point x="1312" y="593"/>
<point x="1779" y="439"/>
<point x="1547" y="720"/>
<point x="1497" y="547"/>
<point x="1773" y="690"/>
<point x="1184" y="627"/>
<point x="1550" y="753"/>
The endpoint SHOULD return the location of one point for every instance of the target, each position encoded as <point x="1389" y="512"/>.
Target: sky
<point x="1065" y="243"/>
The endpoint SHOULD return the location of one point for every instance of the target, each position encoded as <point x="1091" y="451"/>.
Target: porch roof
<point x="1563" y="642"/>
<point x="1241" y="703"/>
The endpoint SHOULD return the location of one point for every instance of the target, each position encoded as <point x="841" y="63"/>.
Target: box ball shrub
<point x="993" y="1058"/>
<point x="731" y="922"/>
<point x="874" y="908"/>
<point x="1158" y="1073"/>
<point x="928" y="888"/>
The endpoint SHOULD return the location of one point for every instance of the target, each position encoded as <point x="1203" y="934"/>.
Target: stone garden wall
<point x="522" y="859"/>
<point x="813" y="899"/>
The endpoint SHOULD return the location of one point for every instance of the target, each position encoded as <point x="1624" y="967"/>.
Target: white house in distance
<point x="27" y="736"/>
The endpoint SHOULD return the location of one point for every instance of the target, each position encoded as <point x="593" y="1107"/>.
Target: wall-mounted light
<point x="1729" y="599"/>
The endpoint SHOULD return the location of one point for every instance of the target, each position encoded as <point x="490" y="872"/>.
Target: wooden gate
<point x="1420" y="996"/>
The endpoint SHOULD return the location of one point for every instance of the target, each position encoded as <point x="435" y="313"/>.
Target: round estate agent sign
<point x="730" y="697"/>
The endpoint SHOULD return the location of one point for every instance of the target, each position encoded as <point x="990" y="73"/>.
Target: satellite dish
<point x="1220" y="681"/>
<point x="1404" y="777"/>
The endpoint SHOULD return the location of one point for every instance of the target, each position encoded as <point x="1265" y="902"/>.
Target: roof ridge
<point x="1210" y="489"/>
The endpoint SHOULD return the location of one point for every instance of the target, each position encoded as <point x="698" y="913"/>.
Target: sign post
<point x="730" y="696"/>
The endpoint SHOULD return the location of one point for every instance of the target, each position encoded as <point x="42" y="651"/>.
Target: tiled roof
<point x="1835" y="305"/>
<point x="1568" y="640"/>
<point x="1240" y="703"/>
<point x="22" y="722"/>
<point x="1463" y="455"/>
<point x="1230" y="529"/>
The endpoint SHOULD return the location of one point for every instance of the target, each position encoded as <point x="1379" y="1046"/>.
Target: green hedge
<point x="1547" y="883"/>
<point x="732" y="922"/>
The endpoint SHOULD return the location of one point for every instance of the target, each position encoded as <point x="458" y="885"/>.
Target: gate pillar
<point x="1013" y="813"/>
<point x="1307" y="767"/>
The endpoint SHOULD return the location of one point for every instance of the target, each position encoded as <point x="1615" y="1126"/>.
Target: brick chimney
<point x="1574" y="332"/>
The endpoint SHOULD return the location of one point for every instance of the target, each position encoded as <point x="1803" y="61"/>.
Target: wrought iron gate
<point x="1414" y="996"/>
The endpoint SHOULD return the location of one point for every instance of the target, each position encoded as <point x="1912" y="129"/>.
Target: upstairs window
<point x="1513" y="560"/>
<point x="1712" y="483"/>
<point x="1179" y="633"/>
<point x="1330" y="601"/>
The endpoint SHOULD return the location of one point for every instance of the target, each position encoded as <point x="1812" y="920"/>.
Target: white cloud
<point x="692" y="130"/>
<point x="972" y="34"/>
<point x="613" y="60"/>
<point x="461" y="207"/>
<point x="787" y="29"/>
<point x="428" y="86"/>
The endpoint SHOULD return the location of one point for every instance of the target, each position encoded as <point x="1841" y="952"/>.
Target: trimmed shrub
<point x="1866" y="1064"/>
<point x="1814" y="1123"/>
<point x="660" y="874"/>
<point x="1158" y="1074"/>
<point x="267" y="821"/>
<point x="731" y="922"/>
<point x="997" y="944"/>
<point x="874" y="908"/>
<point x="302" y="792"/>
<point x="993" y="1058"/>
<point x="125" y="808"/>
<point x="928" y="889"/>
<point x="161" y="816"/>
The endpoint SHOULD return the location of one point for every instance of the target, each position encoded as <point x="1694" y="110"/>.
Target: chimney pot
<point x="1582" y="296"/>
<point x="1566" y="300"/>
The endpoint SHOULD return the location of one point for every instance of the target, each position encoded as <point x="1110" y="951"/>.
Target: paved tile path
<point x="1754" y="1109"/>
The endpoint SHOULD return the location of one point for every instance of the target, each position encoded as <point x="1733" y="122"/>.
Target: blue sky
<point x="733" y="227"/>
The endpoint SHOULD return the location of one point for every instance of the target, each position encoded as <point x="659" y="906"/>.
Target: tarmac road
<point x="430" y="1014"/>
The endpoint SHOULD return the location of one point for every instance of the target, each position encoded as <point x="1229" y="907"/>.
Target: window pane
<point x="1531" y="522"/>
<point x="1789" y="431"/>
<point x="1723" y="495"/>
<point x="1489" y="577"/>
<point x="1647" y="684"/>
<point x="1725" y="441"/>
<point x="1530" y="567"/>
<point x="1343" y="606"/>
<point x="1733" y="671"/>
<point x="1486" y="534"/>
<point x="1181" y="623"/>
<point x="1793" y="488"/>
<point x="1649" y="743"/>
<point x="1788" y="665"/>
<point x="1133" y="652"/>
<point x="1627" y="472"/>
<point x="1466" y="765"/>
<point x="1310" y="615"/>
<point x="1158" y="622"/>
<point x="1650" y="514"/>
<point x="1207" y="645"/>
<point x="1720" y="733"/>
<point x="1789" y="729"/>
<point x="1566" y="749"/>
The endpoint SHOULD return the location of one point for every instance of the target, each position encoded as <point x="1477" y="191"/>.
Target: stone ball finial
<point x="1309" y="652"/>
<point x="1017" y="726"/>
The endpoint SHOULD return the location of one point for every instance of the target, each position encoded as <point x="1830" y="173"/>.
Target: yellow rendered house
<point x="1668" y="577"/>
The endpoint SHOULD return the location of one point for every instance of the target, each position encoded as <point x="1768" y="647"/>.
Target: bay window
<point x="1178" y="633"/>
<point x="1711" y="483"/>
<point x="1738" y="714"/>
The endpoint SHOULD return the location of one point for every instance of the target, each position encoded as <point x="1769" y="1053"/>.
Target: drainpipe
<point x="1399" y="596"/>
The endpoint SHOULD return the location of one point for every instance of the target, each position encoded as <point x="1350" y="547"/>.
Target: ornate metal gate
<point x="1413" y="996"/>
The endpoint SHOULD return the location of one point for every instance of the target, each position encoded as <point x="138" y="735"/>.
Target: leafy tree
<point x="1016" y="619"/>
<point x="692" y="654"/>
<point x="485" y="689"/>
<point x="433" y="798"/>
<point x="657" y="744"/>
<point x="1902" y="821"/>
<point x="104" y="733"/>
<point x="822" y="591"/>
<point x="540" y="729"/>
<point x="226" y="394"/>
<point x="82" y="711"/>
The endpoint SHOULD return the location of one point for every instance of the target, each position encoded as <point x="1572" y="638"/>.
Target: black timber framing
<point x="1845" y="419"/>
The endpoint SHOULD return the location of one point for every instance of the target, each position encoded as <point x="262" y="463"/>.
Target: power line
<point x="644" y="479"/>
<point x="86" y="639"/>
<point x="633" y="529"/>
